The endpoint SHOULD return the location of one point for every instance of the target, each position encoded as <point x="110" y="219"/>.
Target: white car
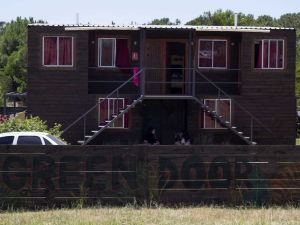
<point x="29" y="138"/>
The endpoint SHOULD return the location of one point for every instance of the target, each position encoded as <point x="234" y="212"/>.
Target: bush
<point x="30" y="124"/>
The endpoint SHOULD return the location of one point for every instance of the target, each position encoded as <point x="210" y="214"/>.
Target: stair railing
<point x="115" y="91"/>
<point x="223" y="93"/>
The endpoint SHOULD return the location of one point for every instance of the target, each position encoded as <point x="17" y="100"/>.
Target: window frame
<point x="212" y="63"/>
<point x="113" y="53"/>
<point x="123" y="116"/>
<point x="262" y="54"/>
<point x="57" y="50"/>
<point x="216" y="107"/>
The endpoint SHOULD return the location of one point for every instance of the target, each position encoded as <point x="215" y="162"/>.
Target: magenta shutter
<point x="223" y="110"/>
<point x="103" y="110"/>
<point x="208" y="121"/>
<point x="65" y="51"/>
<point x="122" y="54"/>
<point x="50" y="50"/>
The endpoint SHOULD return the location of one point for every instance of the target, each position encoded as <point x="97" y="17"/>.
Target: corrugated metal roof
<point x="81" y="27"/>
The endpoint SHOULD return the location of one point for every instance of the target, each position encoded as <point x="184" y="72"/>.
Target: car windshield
<point x="56" y="140"/>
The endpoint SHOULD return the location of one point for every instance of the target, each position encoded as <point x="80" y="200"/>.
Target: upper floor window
<point x="269" y="54"/>
<point x="113" y="53"/>
<point x="57" y="51"/>
<point x="212" y="53"/>
<point x="222" y="107"/>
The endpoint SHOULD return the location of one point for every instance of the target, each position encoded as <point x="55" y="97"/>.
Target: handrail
<point x="98" y="103"/>
<point x="224" y="93"/>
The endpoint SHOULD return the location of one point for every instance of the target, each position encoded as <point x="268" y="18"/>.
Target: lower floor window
<point x="222" y="107"/>
<point x="112" y="106"/>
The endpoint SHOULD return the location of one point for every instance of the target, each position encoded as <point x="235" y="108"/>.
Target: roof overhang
<point x="241" y="29"/>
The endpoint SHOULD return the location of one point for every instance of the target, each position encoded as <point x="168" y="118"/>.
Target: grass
<point x="157" y="216"/>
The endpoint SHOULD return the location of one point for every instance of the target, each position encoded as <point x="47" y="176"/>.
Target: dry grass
<point x="298" y="141"/>
<point x="180" y="216"/>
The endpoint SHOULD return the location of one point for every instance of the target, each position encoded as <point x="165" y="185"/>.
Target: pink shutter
<point x="50" y="51"/>
<point x="208" y="121"/>
<point x="103" y="110"/>
<point x="224" y="110"/>
<point x="65" y="51"/>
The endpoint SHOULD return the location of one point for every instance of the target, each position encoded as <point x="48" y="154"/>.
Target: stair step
<point x="254" y="143"/>
<point x="247" y="137"/>
<point x="101" y="126"/>
<point x="80" y="142"/>
<point x="107" y="121"/>
<point x="227" y="122"/>
<point x="233" y="128"/>
<point x="240" y="132"/>
<point x="94" y="131"/>
<point x="88" y="136"/>
<point x="114" y="116"/>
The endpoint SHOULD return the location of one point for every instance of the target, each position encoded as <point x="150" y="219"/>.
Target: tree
<point x="266" y="21"/>
<point x="164" y="21"/>
<point x="13" y="55"/>
<point x="30" y="124"/>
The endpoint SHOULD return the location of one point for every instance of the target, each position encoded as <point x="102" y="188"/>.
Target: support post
<point x="142" y="61"/>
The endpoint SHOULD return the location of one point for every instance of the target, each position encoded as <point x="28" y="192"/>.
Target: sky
<point x="139" y="11"/>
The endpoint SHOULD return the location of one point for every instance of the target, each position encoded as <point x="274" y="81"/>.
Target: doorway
<point x="166" y="116"/>
<point x="175" y="62"/>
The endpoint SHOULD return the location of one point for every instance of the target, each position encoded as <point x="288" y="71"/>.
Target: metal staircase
<point x="107" y="123"/>
<point x="89" y="136"/>
<point x="224" y="123"/>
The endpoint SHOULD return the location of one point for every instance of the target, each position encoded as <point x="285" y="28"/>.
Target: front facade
<point x="111" y="84"/>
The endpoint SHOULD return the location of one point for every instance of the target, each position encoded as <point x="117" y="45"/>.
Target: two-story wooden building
<point x="110" y="84"/>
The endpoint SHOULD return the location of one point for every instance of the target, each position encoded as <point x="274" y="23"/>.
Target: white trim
<point x="269" y="52"/>
<point x="212" y="50"/>
<point x="216" y="108"/>
<point x="109" y="114"/>
<point x="57" y="51"/>
<point x="113" y="53"/>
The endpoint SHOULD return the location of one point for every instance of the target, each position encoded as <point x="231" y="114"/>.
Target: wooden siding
<point x="63" y="94"/>
<point x="34" y="176"/>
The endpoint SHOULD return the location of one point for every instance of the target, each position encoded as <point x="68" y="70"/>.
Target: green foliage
<point x="30" y="124"/>
<point x="13" y="55"/>
<point x="164" y="21"/>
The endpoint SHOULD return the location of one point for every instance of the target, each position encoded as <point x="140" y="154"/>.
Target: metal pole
<point x="194" y="84"/>
<point x="84" y="129"/>
<point x="251" y="130"/>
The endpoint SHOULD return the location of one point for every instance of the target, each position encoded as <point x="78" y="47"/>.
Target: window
<point x="212" y="53"/>
<point x="47" y="142"/>
<point x="29" y="140"/>
<point x="6" y="140"/>
<point x="111" y="106"/>
<point x="113" y="53"/>
<point x="222" y="107"/>
<point x="269" y="54"/>
<point x="58" y="51"/>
